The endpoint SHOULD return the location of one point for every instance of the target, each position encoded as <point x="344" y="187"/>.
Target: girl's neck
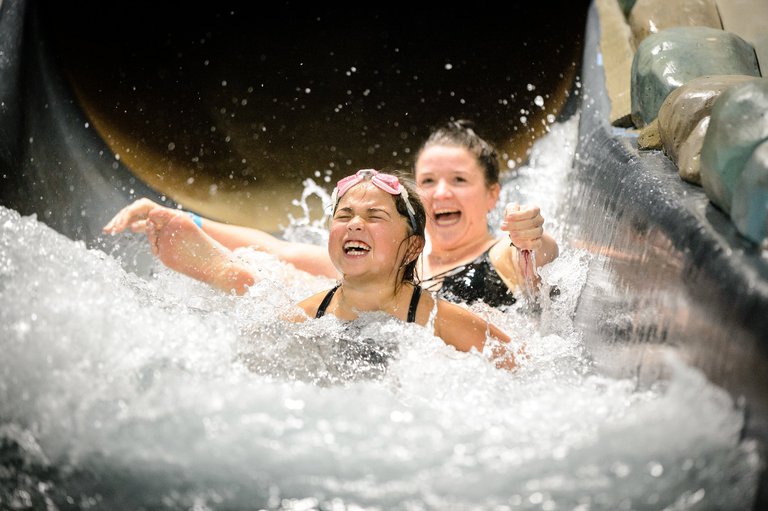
<point x="368" y="296"/>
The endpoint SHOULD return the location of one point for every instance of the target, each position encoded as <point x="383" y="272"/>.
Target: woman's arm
<point x="310" y="258"/>
<point x="526" y="232"/>
<point x="525" y="226"/>
<point x="304" y="256"/>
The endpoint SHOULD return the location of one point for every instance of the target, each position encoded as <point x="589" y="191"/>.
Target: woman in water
<point x="457" y="175"/>
<point x="376" y="238"/>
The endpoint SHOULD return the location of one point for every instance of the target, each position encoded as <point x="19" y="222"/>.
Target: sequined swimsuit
<point x="472" y="282"/>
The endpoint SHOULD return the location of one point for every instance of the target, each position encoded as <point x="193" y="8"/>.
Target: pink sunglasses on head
<point x="386" y="182"/>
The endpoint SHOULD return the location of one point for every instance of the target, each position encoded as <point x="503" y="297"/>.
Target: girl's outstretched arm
<point x="304" y="256"/>
<point x="175" y="239"/>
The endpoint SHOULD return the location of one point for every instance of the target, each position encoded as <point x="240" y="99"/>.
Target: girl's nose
<point x="355" y="224"/>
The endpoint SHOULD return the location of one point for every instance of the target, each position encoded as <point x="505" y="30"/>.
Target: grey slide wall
<point x="670" y="272"/>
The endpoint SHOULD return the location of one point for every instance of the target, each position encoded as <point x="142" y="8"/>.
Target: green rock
<point x="738" y="124"/>
<point x="672" y="57"/>
<point x="749" y="212"/>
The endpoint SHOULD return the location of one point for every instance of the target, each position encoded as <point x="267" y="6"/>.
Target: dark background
<point x="241" y="99"/>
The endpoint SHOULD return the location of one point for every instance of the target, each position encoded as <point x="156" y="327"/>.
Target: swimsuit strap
<point x="450" y="272"/>
<point x="326" y="302"/>
<point x="414" y="304"/>
<point x="411" y="308"/>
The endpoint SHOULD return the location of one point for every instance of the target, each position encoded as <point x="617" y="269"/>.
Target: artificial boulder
<point x="651" y="16"/>
<point x="689" y="153"/>
<point x="749" y="212"/>
<point x="674" y="56"/>
<point x="649" y="138"/>
<point x="738" y="124"/>
<point x="680" y="119"/>
<point x="626" y="6"/>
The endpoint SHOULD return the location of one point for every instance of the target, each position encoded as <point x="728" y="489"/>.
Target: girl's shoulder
<point x="425" y="307"/>
<point x="454" y="312"/>
<point x="311" y="304"/>
<point x="459" y="326"/>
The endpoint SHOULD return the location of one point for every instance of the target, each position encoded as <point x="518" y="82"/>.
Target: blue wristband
<point x="196" y="218"/>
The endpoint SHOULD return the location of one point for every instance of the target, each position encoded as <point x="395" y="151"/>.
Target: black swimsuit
<point x="472" y="282"/>
<point x="411" y="308"/>
<point x="360" y="356"/>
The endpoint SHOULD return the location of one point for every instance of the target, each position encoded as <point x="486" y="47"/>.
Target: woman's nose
<point x="442" y="189"/>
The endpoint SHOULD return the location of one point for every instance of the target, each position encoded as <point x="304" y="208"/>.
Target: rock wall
<point x="670" y="271"/>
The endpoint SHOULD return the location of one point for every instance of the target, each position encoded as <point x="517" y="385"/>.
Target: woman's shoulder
<point x="500" y="256"/>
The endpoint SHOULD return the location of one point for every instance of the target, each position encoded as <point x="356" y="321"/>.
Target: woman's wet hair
<point x="462" y="133"/>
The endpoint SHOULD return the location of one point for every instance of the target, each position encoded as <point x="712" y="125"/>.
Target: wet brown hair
<point x="462" y="134"/>
<point x="420" y="218"/>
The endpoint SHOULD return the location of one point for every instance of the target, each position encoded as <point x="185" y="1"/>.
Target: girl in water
<point x="376" y="238"/>
<point x="457" y="175"/>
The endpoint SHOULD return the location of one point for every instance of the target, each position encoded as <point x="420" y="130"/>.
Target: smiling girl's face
<point x="368" y="235"/>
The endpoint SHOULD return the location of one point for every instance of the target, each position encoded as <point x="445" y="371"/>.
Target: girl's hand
<point x="133" y="216"/>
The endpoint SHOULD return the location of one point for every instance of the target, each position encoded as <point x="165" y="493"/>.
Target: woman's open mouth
<point x="447" y="217"/>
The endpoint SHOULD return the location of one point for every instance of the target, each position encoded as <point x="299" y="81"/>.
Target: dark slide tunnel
<point x="227" y="108"/>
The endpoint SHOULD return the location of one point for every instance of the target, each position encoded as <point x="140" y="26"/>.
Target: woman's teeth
<point x="447" y="216"/>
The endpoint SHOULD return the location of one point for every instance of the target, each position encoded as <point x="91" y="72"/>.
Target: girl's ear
<point x="415" y="247"/>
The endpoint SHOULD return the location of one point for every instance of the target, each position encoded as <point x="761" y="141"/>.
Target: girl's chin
<point x="364" y="270"/>
<point x="355" y="265"/>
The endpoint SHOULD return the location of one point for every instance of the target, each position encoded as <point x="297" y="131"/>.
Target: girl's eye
<point x="426" y="181"/>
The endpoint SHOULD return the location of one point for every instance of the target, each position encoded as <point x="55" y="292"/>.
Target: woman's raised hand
<point x="525" y="226"/>
<point x="133" y="216"/>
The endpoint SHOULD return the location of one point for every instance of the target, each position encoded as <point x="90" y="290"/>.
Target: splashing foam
<point x="113" y="382"/>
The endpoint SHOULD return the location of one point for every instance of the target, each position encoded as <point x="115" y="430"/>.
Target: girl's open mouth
<point x="356" y="248"/>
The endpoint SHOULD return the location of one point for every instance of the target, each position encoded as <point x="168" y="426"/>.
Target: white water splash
<point x="120" y="391"/>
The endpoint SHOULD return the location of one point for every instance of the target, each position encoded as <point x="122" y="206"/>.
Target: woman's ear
<point x="493" y="195"/>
